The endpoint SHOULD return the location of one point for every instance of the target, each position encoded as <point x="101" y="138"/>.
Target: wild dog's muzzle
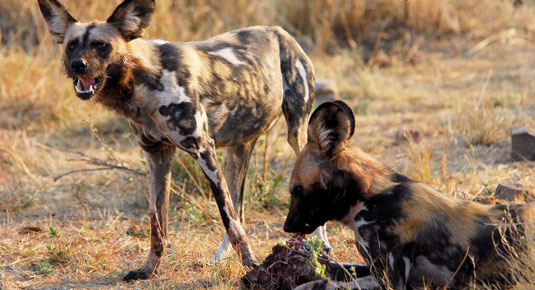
<point x="296" y="222"/>
<point x="85" y="87"/>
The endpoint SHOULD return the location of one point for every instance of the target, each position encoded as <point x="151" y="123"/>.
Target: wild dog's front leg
<point x="159" y="160"/>
<point x="207" y="159"/>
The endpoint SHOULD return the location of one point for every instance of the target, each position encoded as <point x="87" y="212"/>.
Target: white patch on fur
<point x="131" y="21"/>
<point x="391" y="261"/>
<point x="324" y="138"/>
<point x="228" y="54"/>
<point x="200" y="121"/>
<point x="303" y="74"/>
<point x="285" y="86"/>
<point x="408" y="266"/>
<point x="233" y="112"/>
<point x="199" y="125"/>
<point x="222" y="252"/>
<point x="172" y="93"/>
<point x="359" y="223"/>
<point x="159" y="41"/>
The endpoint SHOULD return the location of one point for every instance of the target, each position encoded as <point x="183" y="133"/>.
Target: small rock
<point x="513" y="192"/>
<point x="30" y="230"/>
<point x="523" y="144"/>
<point x="403" y="135"/>
<point x="326" y="90"/>
<point x="136" y="230"/>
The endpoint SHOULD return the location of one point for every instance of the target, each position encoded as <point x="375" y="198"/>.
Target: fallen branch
<point x="502" y="36"/>
<point x="98" y="162"/>
<point x="104" y="165"/>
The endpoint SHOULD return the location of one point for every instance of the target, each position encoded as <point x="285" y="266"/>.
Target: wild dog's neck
<point x="138" y="64"/>
<point x="367" y="177"/>
<point x="372" y="177"/>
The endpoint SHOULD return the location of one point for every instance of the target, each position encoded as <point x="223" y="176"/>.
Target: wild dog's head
<point x="94" y="50"/>
<point x="321" y="188"/>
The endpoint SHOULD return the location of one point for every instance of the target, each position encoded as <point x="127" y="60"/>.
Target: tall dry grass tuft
<point x="419" y="164"/>
<point x="481" y="123"/>
<point x="524" y="266"/>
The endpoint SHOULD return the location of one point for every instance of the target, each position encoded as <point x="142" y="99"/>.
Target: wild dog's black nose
<point x="78" y="66"/>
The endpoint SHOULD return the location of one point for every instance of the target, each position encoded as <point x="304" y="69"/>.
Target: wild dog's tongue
<point x="86" y="82"/>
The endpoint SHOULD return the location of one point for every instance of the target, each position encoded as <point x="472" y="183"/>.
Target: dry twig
<point x="98" y="162"/>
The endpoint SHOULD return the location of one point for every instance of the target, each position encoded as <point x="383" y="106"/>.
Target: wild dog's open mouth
<point x="86" y="87"/>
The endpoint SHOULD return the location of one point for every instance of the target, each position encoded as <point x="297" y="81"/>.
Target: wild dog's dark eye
<point x="101" y="46"/>
<point x="297" y="190"/>
<point x="71" y="46"/>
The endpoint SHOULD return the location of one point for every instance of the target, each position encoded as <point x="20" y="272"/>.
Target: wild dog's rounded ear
<point x="330" y="126"/>
<point x="350" y="116"/>
<point x="57" y="18"/>
<point x="131" y="17"/>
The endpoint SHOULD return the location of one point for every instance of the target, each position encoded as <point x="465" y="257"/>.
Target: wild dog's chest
<point x="365" y="229"/>
<point x="169" y="114"/>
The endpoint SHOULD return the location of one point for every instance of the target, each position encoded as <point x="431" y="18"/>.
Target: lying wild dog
<point x="225" y="91"/>
<point x="409" y="234"/>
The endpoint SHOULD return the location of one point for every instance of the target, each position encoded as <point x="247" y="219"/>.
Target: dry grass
<point x="454" y="70"/>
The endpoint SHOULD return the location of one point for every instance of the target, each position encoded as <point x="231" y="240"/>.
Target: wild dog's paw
<point x="138" y="274"/>
<point x="249" y="263"/>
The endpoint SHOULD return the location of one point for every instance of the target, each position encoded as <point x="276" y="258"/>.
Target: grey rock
<point x="404" y="135"/>
<point x="513" y="192"/>
<point x="326" y="90"/>
<point x="523" y="144"/>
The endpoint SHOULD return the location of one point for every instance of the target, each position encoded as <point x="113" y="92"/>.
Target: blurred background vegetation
<point x="380" y="32"/>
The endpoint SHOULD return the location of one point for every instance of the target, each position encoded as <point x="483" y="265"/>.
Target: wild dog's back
<point x="447" y="237"/>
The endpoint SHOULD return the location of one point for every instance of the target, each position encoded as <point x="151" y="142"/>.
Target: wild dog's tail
<point x="298" y="81"/>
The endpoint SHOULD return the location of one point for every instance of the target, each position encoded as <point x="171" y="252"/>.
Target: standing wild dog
<point x="408" y="233"/>
<point x="225" y="91"/>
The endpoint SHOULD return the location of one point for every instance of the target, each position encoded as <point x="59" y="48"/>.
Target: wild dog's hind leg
<point x="296" y="110"/>
<point x="236" y="165"/>
<point x="159" y="160"/>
